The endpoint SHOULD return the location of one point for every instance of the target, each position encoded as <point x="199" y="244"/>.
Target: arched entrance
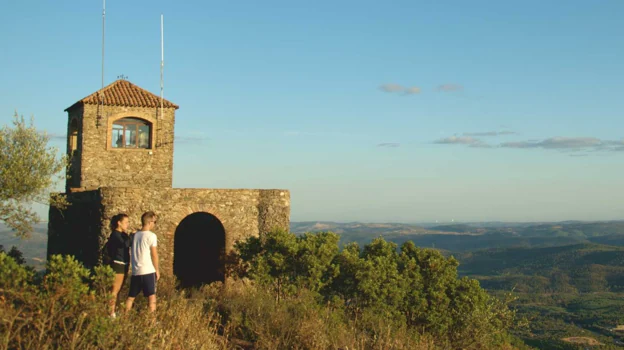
<point x="199" y="250"/>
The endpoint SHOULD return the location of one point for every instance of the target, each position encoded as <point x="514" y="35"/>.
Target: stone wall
<point x="243" y="213"/>
<point x="101" y="165"/>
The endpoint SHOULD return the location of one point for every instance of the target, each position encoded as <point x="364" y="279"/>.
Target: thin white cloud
<point x="462" y="140"/>
<point x="389" y="144"/>
<point x="412" y="90"/>
<point x="319" y="133"/>
<point x="399" y="89"/>
<point x="558" y="143"/>
<point x="191" y="138"/>
<point x="574" y="146"/>
<point x="450" y="87"/>
<point x="391" y="88"/>
<point x="54" y="136"/>
<point x="489" y="133"/>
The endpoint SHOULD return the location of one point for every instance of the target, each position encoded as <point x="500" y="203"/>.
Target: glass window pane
<point x="117" y="140"/>
<point x="130" y="136"/>
<point x="144" y="136"/>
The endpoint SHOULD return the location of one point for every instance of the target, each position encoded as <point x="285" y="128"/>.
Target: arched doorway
<point x="199" y="250"/>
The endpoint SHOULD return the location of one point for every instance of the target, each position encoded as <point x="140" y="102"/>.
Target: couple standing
<point x="141" y="253"/>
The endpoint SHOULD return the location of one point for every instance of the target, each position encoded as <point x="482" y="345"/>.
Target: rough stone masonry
<point x="120" y="144"/>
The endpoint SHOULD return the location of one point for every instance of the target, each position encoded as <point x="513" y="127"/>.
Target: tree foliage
<point x="407" y="287"/>
<point x="28" y="170"/>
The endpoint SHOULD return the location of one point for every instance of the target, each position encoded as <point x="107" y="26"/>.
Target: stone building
<point x="120" y="141"/>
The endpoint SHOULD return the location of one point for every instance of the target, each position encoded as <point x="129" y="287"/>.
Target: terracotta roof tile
<point x="124" y="93"/>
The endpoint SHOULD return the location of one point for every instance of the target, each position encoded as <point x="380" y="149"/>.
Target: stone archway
<point x="199" y="250"/>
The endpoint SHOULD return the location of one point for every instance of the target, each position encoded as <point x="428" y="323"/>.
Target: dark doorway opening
<point x="199" y="250"/>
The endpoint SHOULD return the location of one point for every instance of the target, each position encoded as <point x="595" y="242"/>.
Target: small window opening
<point x="73" y="136"/>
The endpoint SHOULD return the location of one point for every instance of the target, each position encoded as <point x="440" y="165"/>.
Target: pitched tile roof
<point x="124" y="93"/>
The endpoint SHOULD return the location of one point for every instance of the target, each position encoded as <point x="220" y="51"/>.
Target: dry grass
<point x="30" y="321"/>
<point x="300" y="322"/>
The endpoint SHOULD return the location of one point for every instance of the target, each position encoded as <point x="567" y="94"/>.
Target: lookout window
<point x="73" y="136"/>
<point x="131" y="133"/>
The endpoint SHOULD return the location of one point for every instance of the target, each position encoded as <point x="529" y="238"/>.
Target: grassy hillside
<point x="583" y="268"/>
<point x="564" y="291"/>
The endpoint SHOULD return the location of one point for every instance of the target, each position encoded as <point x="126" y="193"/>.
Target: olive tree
<point x="29" y="168"/>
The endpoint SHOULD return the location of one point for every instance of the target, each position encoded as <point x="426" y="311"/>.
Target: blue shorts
<point x="145" y="283"/>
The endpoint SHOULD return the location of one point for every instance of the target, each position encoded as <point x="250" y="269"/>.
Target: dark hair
<point x="147" y="217"/>
<point x="116" y="219"/>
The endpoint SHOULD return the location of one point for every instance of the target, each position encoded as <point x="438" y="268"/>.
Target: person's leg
<point x="135" y="288"/>
<point x="149" y="290"/>
<point x="152" y="302"/>
<point x="129" y="303"/>
<point x="117" y="283"/>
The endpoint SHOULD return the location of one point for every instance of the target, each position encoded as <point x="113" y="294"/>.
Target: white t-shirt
<point x="141" y="257"/>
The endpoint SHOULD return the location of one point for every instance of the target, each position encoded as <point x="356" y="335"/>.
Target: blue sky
<point x="366" y="111"/>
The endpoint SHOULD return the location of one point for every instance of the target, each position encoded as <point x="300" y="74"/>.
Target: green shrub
<point x="408" y="289"/>
<point x="13" y="275"/>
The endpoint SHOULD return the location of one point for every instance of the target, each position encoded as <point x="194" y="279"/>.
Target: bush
<point x="408" y="289"/>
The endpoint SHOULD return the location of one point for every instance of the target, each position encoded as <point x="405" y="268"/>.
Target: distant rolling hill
<point x="574" y="229"/>
<point x="475" y="236"/>
<point x="33" y="248"/>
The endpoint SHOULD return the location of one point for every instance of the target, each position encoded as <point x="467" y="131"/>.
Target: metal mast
<point x="162" y="64"/>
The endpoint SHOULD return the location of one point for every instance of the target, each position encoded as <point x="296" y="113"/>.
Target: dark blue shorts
<point x="145" y="283"/>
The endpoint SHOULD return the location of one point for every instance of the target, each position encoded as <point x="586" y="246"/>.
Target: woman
<point x="119" y="252"/>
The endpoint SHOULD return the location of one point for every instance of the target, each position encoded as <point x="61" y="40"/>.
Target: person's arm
<point x="154" y="255"/>
<point x="116" y="242"/>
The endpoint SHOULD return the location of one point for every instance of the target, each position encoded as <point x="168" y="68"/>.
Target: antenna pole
<point x="103" y="36"/>
<point x="162" y="64"/>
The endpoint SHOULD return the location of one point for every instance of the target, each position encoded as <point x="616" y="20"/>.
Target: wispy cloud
<point x="191" y="138"/>
<point x="52" y="136"/>
<point x="462" y="140"/>
<point x="558" y="143"/>
<point x="575" y="146"/>
<point x="318" y="133"/>
<point x="389" y="144"/>
<point x="450" y="87"/>
<point x="412" y="90"/>
<point x="489" y="133"/>
<point x="399" y="89"/>
<point x="391" y="88"/>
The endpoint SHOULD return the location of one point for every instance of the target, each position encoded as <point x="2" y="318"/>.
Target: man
<point x="145" y="270"/>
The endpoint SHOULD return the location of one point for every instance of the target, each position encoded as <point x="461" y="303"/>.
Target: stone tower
<point x="120" y="137"/>
<point x="120" y="143"/>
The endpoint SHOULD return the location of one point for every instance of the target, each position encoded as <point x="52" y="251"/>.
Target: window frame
<point x="130" y="124"/>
